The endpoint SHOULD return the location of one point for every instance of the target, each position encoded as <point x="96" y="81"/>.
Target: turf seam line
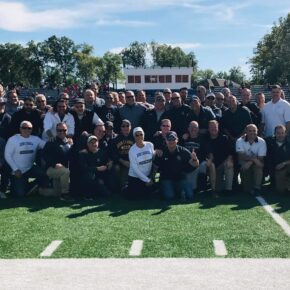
<point x="49" y="250"/>
<point x="276" y="217"/>
<point x="136" y="248"/>
<point x="220" y="248"/>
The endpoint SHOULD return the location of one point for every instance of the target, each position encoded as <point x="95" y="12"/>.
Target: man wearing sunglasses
<point x="56" y="156"/>
<point x="20" y="154"/>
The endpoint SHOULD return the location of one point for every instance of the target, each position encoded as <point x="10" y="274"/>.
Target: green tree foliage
<point x="59" y="54"/>
<point x="236" y="75"/>
<point x="86" y="64"/>
<point x="168" y="56"/>
<point x="135" y="54"/>
<point x="271" y="60"/>
<point x="17" y="66"/>
<point x="109" y="68"/>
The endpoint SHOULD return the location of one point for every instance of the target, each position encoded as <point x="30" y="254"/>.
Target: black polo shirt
<point x="174" y="165"/>
<point x="236" y="122"/>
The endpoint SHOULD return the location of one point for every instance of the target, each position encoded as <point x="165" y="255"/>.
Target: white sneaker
<point x="2" y="195"/>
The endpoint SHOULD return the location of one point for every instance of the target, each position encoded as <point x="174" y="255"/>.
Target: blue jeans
<point x="170" y="188"/>
<point x="20" y="186"/>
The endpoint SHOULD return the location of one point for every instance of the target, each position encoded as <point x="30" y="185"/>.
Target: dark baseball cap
<point x="171" y="136"/>
<point x="194" y="98"/>
<point x="109" y="124"/>
<point x="160" y="98"/>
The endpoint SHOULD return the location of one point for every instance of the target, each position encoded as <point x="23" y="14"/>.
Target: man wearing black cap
<point x="152" y="118"/>
<point x="110" y="134"/>
<point x="210" y="102"/>
<point x="119" y="151"/>
<point x="95" y="169"/>
<point x="173" y="165"/>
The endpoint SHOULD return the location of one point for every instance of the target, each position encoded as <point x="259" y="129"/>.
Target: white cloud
<point x="26" y="18"/>
<point x="116" y="49"/>
<point x="119" y="22"/>
<point x="22" y="19"/>
<point x="185" y="45"/>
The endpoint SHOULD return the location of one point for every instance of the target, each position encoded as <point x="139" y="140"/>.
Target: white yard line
<point x="277" y="218"/>
<point x="48" y="251"/>
<point x="220" y="248"/>
<point x="136" y="248"/>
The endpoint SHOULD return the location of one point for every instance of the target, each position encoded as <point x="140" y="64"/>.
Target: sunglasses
<point x="129" y="97"/>
<point x="26" y="128"/>
<point x="61" y="130"/>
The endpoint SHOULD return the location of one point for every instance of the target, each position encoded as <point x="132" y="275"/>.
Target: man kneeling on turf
<point x="251" y="151"/>
<point x="20" y="153"/>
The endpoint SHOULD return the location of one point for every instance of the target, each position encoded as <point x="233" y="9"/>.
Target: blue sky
<point x="222" y="34"/>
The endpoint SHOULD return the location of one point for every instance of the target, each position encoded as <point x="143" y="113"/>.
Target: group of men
<point x="84" y="149"/>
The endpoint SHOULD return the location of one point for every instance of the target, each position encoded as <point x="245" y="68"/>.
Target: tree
<point x="167" y="56"/>
<point x="109" y="68"/>
<point x="236" y="75"/>
<point x="271" y="60"/>
<point x="222" y="75"/>
<point x="135" y="54"/>
<point x="17" y="65"/>
<point x="86" y="64"/>
<point x="59" y="54"/>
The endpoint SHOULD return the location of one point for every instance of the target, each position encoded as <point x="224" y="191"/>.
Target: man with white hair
<point x="20" y="154"/>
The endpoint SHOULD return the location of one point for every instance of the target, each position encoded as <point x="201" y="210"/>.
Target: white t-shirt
<point x="274" y="114"/>
<point x="258" y="149"/>
<point x="20" y="152"/>
<point x="141" y="161"/>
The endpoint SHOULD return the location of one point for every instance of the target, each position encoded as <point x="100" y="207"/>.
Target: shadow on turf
<point x="118" y="206"/>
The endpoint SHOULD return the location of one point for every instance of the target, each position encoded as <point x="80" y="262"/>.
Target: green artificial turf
<point x="106" y="228"/>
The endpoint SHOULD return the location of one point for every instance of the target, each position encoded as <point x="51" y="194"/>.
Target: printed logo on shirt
<point x="25" y="143"/>
<point x="145" y="162"/>
<point x="26" y="152"/>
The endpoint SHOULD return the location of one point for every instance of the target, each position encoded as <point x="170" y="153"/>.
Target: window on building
<point x="134" y="79"/>
<point x="168" y="79"/>
<point x="151" y="79"/>
<point x="181" y="78"/>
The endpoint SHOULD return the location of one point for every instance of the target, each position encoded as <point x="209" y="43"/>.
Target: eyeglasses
<point x="138" y="135"/>
<point x="61" y="130"/>
<point x="26" y="128"/>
